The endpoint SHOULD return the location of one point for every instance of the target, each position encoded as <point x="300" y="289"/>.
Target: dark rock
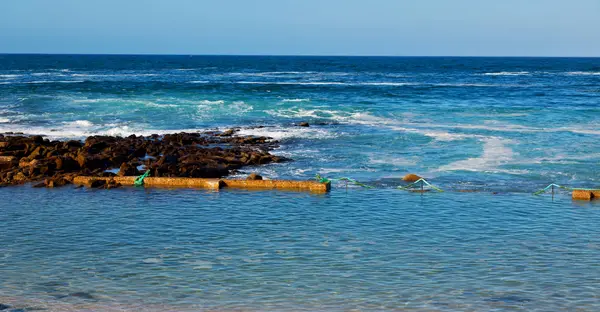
<point x="41" y="184"/>
<point x="112" y="184"/>
<point x="254" y="176"/>
<point x="83" y="295"/>
<point x="56" y="181"/>
<point x="37" y="153"/>
<point x="38" y="139"/>
<point x="97" y="183"/>
<point x="304" y="124"/>
<point x="127" y="169"/>
<point x="229" y="132"/>
<point x="4" y="306"/>
<point x="32" y="159"/>
<point x="66" y="163"/>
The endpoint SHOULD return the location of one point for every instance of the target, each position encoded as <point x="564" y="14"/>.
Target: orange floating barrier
<point x="584" y="194"/>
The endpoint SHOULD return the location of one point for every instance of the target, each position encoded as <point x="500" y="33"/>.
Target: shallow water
<point x="505" y="127"/>
<point x="239" y="250"/>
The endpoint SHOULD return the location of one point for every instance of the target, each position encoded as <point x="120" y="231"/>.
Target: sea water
<point x="503" y="127"/>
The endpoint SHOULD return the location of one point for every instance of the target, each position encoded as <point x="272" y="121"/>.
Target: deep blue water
<point x="505" y="125"/>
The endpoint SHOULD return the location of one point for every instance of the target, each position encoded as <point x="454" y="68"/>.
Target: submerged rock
<point x="304" y="124"/>
<point x="254" y="176"/>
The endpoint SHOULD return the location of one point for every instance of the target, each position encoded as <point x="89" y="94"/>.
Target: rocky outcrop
<point x="198" y="155"/>
<point x="254" y="176"/>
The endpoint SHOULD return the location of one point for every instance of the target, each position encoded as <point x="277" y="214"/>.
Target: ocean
<point x="487" y="131"/>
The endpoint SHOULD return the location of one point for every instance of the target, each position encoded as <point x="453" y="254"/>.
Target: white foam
<point x="521" y="73"/>
<point x="123" y="101"/>
<point x="494" y="114"/>
<point x="560" y="159"/>
<point x="472" y="85"/>
<point x="580" y="130"/>
<point x="289" y="72"/>
<point x="271" y="73"/>
<point x="495" y="154"/>
<point x="81" y="130"/>
<point x="393" y="160"/>
<point x="280" y="133"/>
<point x="240" y="107"/>
<point x="308" y="83"/>
<point x="208" y="102"/>
<point x="152" y="260"/>
<point x="80" y="123"/>
<point x="200" y="264"/>
<point x="46" y="74"/>
<point x="52" y="81"/>
<point x="91" y="100"/>
<point x="295" y="100"/>
<point x="397" y="125"/>
<point x="582" y="73"/>
<point x="114" y="75"/>
<point x="153" y="104"/>
<point x="329" y="83"/>
<point x="295" y="112"/>
<point x="389" y="84"/>
<point x="4" y="120"/>
<point x="199" y="81"/>
<point x="9" y="76"/>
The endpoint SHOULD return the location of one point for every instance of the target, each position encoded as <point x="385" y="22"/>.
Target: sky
<point x="303" y="27"/>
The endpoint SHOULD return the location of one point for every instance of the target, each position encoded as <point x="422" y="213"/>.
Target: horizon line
<point x="299" y="55"/>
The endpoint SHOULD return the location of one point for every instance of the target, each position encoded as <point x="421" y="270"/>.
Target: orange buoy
<point x="411" y="178"/>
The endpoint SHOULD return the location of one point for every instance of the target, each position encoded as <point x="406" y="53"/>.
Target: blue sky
<point x="303" y="27"/>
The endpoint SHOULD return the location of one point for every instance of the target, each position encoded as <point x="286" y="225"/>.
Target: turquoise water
<point x="237" y="250"/>
<point x="503" y="126"/>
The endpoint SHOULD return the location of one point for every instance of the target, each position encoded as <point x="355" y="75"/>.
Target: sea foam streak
<point x="521" y="73"/>
<point x="582" y="73"/>
<point x="295" y="100"/>
<point x="495" y="154"/>
<point x="373" y="84"/>
<point x="209" y="102"/>
<point x="282" y="133"/>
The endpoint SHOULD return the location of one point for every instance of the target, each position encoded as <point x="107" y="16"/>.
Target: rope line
<point x="414" y="185"/>
<point x="325" y="180"/>
<point x="552" y="185"/>
<point x="423" y="182"/>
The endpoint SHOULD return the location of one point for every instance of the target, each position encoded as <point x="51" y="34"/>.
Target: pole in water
<point x="552" y="191"/>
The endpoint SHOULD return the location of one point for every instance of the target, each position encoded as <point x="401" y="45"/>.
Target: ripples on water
<point x="507" y="125"/>
<point x="501" y="124"/>
<point x="238" y="250"/>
